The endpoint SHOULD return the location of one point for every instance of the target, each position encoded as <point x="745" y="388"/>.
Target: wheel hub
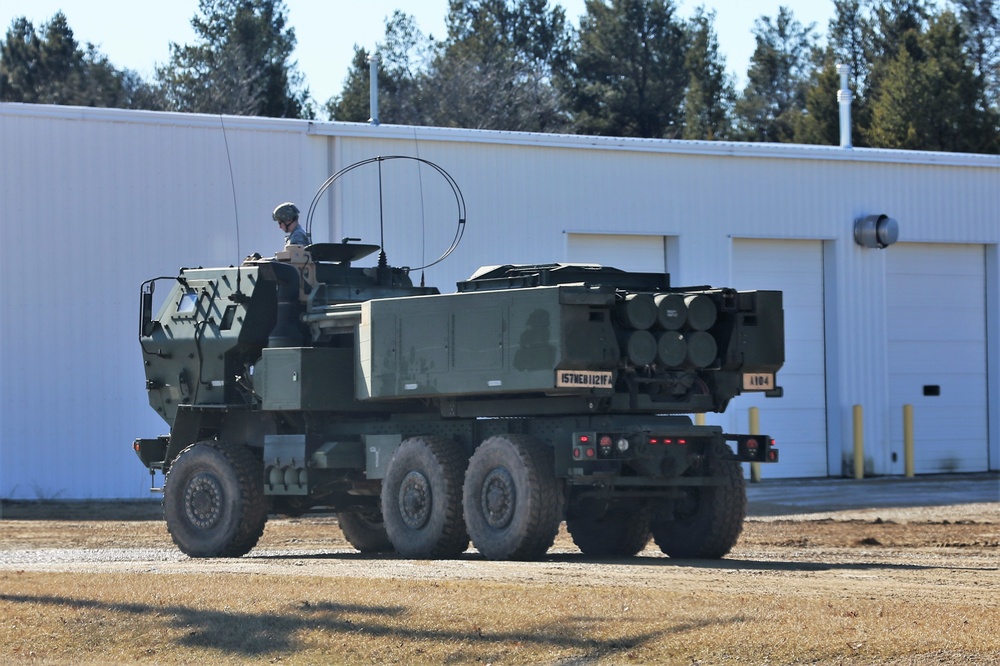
<point x="203" y="501"/>
<point x="498" y="498"/>
<point x="687" y="505"/>
<point x="415" y="500"/>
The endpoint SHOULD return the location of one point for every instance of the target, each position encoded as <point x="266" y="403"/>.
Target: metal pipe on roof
<point x="373" y="87"/>
<point x="844" y="98"/>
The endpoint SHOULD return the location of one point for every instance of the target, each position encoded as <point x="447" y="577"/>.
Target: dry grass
<point x="234" y="619"/>
<point x="794" y="591"/>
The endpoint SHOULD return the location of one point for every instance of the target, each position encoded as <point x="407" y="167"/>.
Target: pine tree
<point x="240" y="63"/>
<point x="498" y="66"/>
<point x="773" y="102"/>
<point x="21" y="78"/>
<point x="49" y="66"/>
<point x="930" y="96"/>
<point x="820" y="124"/>
<point x="628" y="76"/>
<point x="402" y="65"/>
<point x="710" y="94"/>
<point x="981" y="21"/>
<point x="848" y="32"/>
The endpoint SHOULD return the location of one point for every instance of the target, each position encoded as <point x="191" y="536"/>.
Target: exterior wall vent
<point x="876" y="231"/>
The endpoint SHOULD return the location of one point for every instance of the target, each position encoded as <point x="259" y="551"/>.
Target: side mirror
<point x="146" y="323"/>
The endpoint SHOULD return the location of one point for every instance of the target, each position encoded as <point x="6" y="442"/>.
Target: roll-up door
<point x="936" y="322"/>
<point x="642" y="253"/>
<point x="796" y="421"/>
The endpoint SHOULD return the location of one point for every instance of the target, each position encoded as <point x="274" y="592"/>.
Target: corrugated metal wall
<point x="95" y="201"/>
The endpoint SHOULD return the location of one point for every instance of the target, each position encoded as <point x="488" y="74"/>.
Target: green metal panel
<point x="378" y="452"/>
<point x="305" y="378"/>
<point x="338" y="455"/>
<point x="491" y="342"/>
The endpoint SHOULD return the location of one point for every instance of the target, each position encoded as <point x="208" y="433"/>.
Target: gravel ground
<point x="943" y="542"/>
<point x="934" y="558"/>
<point x="801" y="527"/>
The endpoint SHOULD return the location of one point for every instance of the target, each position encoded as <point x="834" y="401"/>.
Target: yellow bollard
<point x="859" y="443"/>
<point x="754" y="413"/>
<point x="699" y="419"/>
<point x="908" y="439"/>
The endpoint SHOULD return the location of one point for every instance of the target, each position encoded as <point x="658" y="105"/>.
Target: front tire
<point x="213" y="500"/>
<point x="513" y="501"/>
<point x="422" y="498"/>
<point x="708" y="520"/>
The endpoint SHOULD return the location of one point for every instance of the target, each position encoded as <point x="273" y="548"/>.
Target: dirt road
<point x="950" y="547"/>
<point x="907" y="585"/>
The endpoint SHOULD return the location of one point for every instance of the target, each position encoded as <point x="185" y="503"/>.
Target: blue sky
<point x="136" y="35"/>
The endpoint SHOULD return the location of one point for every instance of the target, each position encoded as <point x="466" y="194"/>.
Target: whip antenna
<point x="381" y="221"/>
<point x="423" y="221"/>
<point x="237" y="296"/>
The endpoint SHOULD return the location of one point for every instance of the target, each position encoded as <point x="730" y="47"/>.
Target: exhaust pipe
<point x="373" y="88"/>
<point x="287" y="331"/>
<point x="844" y="97"/>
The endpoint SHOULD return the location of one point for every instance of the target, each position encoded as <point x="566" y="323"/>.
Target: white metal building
<point x="93" y="201"/>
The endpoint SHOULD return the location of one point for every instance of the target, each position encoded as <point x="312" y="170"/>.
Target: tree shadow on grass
<point x="243" y="634"/>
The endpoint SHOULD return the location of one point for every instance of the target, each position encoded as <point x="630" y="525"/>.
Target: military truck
<point x="532" y="395"/>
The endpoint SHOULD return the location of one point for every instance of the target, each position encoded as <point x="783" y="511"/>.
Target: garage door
<point x="797" y="421"/>
<point x="628" y="252"/>
<point x="936" y="317"/>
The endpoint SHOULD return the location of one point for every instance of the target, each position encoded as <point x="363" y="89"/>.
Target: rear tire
<point x="365" y="531"/>
<point x="620" y="532"/>
<point x="513" y="501"/>
<point x="422" y="498"/>
<point x="213" y="500"/>
<point x="708" y="520"/>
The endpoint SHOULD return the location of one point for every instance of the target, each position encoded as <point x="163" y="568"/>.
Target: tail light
<point x="666" y="440"/>
<point x="594" y="446"/>
<point x="755" y="448"/>
<point x="584" y="446"/>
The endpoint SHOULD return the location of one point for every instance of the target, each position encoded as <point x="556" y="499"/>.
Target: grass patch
<point x="237" y="619"/>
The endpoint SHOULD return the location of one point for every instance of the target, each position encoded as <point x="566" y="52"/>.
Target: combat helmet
<point x="286" y="212"/>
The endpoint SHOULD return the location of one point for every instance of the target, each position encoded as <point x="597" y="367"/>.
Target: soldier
<point x="287" y="217"/>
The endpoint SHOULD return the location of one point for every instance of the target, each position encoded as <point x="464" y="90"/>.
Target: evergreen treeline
<point x="924" y="75"/>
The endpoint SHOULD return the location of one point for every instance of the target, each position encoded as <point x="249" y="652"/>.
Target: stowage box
<point x="510" y="341"/>
<point x="305" y="378"/>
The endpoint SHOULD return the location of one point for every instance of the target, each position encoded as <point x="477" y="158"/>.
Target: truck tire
<point x="422" y="498"/>
<point x="620" y="532"/>
<point x="513" y="501"/>
<point x="365" y="531"/>
<point x="708" y="520"/>
<point x="213" y="500"/>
